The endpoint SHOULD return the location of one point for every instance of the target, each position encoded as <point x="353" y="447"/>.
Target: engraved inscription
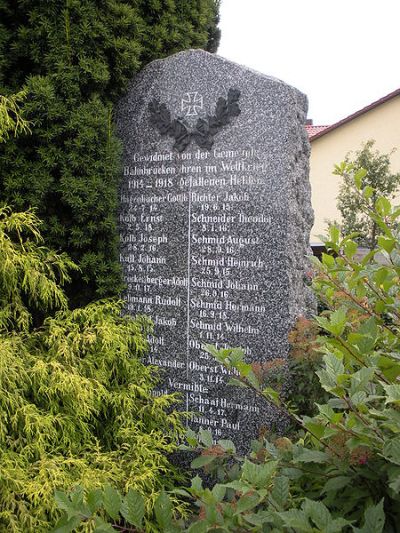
<point x="193" y="250"/>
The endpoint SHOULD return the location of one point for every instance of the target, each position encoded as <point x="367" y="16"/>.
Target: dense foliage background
<point x="76" y="58"/>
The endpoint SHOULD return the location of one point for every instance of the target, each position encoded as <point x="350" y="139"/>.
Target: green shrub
<point x="75" y="59"/>
<point x="76" y="404"/>
<point x="342" y="471"/>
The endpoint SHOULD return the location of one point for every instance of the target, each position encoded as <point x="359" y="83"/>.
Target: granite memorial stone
<point x="215" y="218"/>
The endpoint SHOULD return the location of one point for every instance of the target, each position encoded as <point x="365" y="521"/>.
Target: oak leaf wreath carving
<point x="205" y="128"/>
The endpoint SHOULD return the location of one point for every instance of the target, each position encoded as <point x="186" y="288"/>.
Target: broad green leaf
<point x="102" y="527"/>
<point x="383" y="206"/>
<point x="390" y="368"/>
<point x="394" y="479"/>
<point x="395" y="485"/>
<point x="350" y="248"/>
<point x="393" y="393"/>
<point x="361" y="290"/>
<point x="211" y="513"/>
<point x="391" y="450"/>
<point x="236" y="355"/>
<point x="258" y="475"/>
<point x="370" y="255"/>
<point x="202" y="460"/>
<point x="336" y="323"/>
<point x="239" y="486"/>
<point x="316" y="429"/>
<point x="197" y="484"/>
<point x="360" y="380"/>
<point x="280" y="492"/>
<point x="380" y="275"/>
<point x="330" y="375"/>
<point x="334" y="233"/>
<point x="246" y="502"/>
<point x="191" y="438"/>
<point x="271" y="449"/>
<point x="67" y="525"/>
<point x="77" y="495"/>
<point x="336" y="483"/>
<point x="272" y="395"/>
<point x="328" y="260"/>
<point x="374" y="519"/>
<point x="220" y="355"/>
<point x="199" y="527"/>
<point x="358" y="177"/>
<point x="386" y="243"/>
<point x="182" y="492"/>
<point x="337" y="403"/>
<point x="251" y="377"/>
<point x="368" y="191"/>
<point x="326" y="410"/>
<point x="326" y="380"/>
<point x="318" y="513"/>
<point x="311" y="456"/>
<point x="94" y="499"/>
<point x="359" y="398"/>
<point x="296" y="519"/>
<point x="379" y="307"/>
<point x="64" y="503"/>
<point x="132" y="508"/>
<point x="227" y="445"/>
<point x="292" y="473"/>
<point x="163" y="511"/>
<point x="112" y="502"/>
<point x="260" y="518"/>
<point x="205" y="437"/>
<point x="236" y="383"/>
<point x="337" y="525"/>
<point x="218" y="492"/>
<point x="244" y="369"/>
<point x="333" y="364"/>
<point x="369" y="330"/>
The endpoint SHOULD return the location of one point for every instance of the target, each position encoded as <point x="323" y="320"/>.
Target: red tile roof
<point x="313" y="130"/>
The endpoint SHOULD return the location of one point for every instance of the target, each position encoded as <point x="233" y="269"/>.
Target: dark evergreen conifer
<point x="75" y="59"/>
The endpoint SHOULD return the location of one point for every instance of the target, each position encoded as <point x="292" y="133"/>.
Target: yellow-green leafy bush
<point x="75" y="398"/>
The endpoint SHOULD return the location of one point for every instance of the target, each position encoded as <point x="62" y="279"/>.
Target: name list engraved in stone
<point x="214" y="213"/>
<point x="192" y="232"/>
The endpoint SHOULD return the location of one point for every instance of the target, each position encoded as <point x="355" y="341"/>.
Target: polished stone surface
<point x="215" y="218"/>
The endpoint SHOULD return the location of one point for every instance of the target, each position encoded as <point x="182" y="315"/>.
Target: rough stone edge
<point x="302" y="299"/>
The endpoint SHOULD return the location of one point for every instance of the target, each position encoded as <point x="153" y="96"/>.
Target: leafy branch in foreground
<point x="341" y="473"/>
<point x="105" y="510"/>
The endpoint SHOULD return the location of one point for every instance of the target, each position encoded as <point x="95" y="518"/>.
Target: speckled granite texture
<point x="215" y="218"/>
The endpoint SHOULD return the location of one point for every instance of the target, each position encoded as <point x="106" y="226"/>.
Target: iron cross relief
<point x="206" y="127"/>
<point x="191" y="103"/>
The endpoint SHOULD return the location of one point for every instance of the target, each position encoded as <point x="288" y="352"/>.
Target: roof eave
<point x="356" y="114"/>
